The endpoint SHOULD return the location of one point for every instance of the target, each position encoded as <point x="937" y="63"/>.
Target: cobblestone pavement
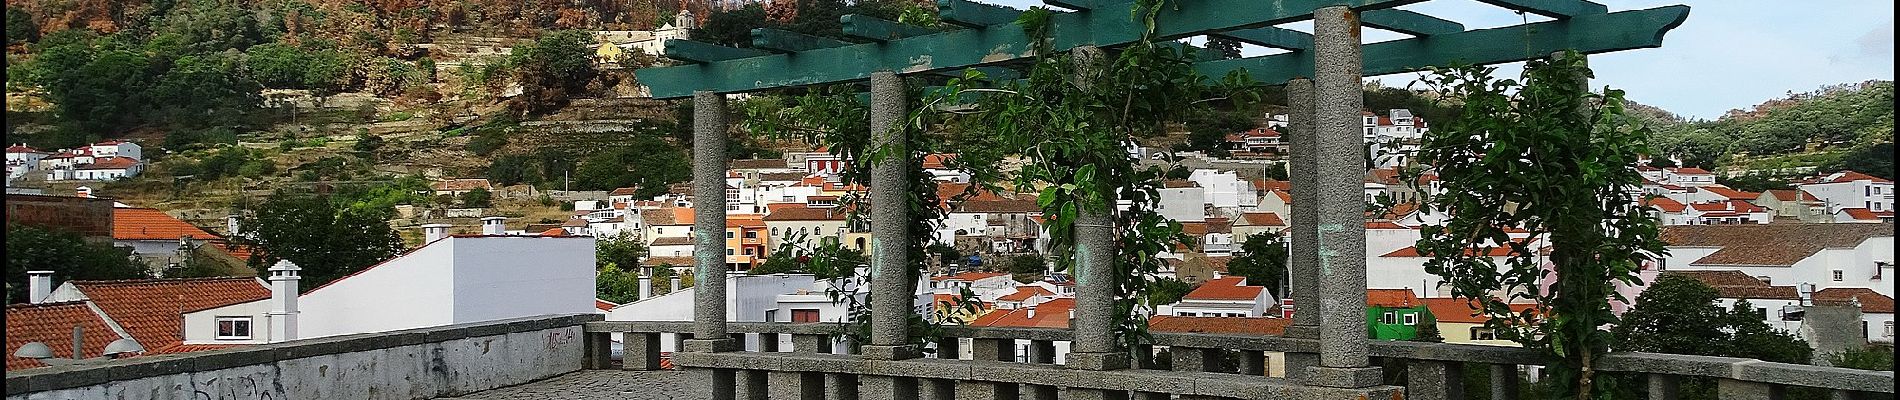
<point x="591" y="385"/>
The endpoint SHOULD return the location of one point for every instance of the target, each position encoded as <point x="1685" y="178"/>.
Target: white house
<point x="1225" y="189"/>
<point x="1181" y="200"/>
<point x="1224" y="297"/>
<point x="1849" y="189"/>
<point x="1687" y="176"/>
<point x="117" y="148"/>
<point x="22" y="158"/>
<point x="1826" y="255"/>
<point x="454" y="280"/>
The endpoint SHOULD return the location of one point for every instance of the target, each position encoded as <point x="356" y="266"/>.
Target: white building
<point x="1225" y="189"/>
<point x="457" y="279"/>
<point x="1849" y="189"/>
<point x="1181" y="200"/>
<point x="1224" y="297"/>
<point x="1781" y="254"/>
<point x="22" y="159"/>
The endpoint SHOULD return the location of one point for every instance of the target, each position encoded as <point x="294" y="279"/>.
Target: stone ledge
<point x="56" y="378"/>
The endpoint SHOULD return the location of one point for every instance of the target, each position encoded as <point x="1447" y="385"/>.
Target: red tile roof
<point x="152" y="310"/>
<point x="1731" y="194"/>
<point x="1049" y="314"/>
<point x="111" y="163"/>
<point x="1691" y="171"/>
<point x="1870" y="301"/>
<point x="1384" y="225"/>
<point x="1792" y="195"/>
<point x="152" y="224"/>
<point x="1262" y="219"/>
<point x="187" y="348"/>
<point x="604" y="305"/>
<point x="1777" y="244"/>
<point x="937" y="161"/>
<point x="625" y="191"/>
<point x="1223" y="325"/>
<point x="1025" y="292"/>
<point x="672" y="241"/>
<point x="21" y="148"/>
<point x="1284" y="196"/>
<point x="1401" y="298"/>
<point x="52" y="324"/>
<point x="1225" y="289"/>
<point x="1737" y="285"/>
<point x="1848" y="176"/>
<point x="1665" y="204"/>
<point x="667" y="261"/>
<point x="1866" y="215"/>
<point x="1269" y="184"/>
<point x="1466" y="311"/>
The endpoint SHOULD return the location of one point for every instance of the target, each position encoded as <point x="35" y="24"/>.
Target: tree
<point x="1027" y="264"/>
<point x="1208" y="130"/>
<point x="1875" y="159"/>
<point x="1167" y="291"/>
<point x="1228" y="49"/>
<point x="1875" y="357"/>
<point x="70" y="257"/>
<point x="477" y="198"/>
<point x="1677" y="315"/>
<point x="321" y="236"/>
<point x="618" y="250"/>
<point x="647" y="163"/>
<point x="1262" y="260"/>
<point x="21" y="28"/>
<point x="558" y="66"/>
<point x="1569" y="153"/>
<point x="617" y="285"/>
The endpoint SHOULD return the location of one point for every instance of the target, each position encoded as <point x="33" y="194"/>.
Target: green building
<point x="1395" y="314"/>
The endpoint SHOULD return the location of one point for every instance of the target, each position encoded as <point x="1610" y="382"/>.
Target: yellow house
<point x="1458" y="321"/>
<point x="609" y="53"/>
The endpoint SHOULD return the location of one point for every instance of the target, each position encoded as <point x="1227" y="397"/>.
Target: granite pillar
<point x="891" y="300"/>
<point x="1340" y="235"/>
<point x="1303" y="265"/>
<point x="709" y="223"/>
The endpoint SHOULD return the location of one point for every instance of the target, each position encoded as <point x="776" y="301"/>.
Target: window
<point x="1887" y="330"/>
<point x="1411" y="319"/>
<point x="805" y="315"/>
<point x="775" y="231"/>
<point x="1839" y="275"/>
<point x="234" y="328"/>
<point x="729" y="252"/>
<point x="751" y="234"/>
<point x="1483" y="334"/>
<point x="728" y="234"/>
<point x="1388" y="318"/>
<point x="1186" y="314"/>
<point x="1761" y="312"/>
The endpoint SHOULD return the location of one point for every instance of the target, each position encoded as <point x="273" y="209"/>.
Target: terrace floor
<point x="589" y="384"/>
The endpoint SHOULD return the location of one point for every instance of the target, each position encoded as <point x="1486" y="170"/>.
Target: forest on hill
<point x="1846" y="126"/>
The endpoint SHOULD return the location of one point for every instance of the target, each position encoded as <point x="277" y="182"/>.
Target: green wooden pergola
<point x="985" y="35"/>
<point x="1322" y="72"/>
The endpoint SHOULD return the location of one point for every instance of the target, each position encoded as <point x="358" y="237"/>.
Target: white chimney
<point x="283" y="300"/>
<point x="39" y="286"/>
<point x="493" y="225"/>
<point x="231" y="225"/>
<point x="434" y="232"/>
<point x="83" y="191"/>
<point x="1032" y="311"/>
<point x="1806" y="292"/>
<point x="646" y="283"/>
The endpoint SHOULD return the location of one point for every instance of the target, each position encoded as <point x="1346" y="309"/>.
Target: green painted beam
<point x="881" y="30"/>
<point x="1588" y="34"/>
<point x="972" y="14"/>
<point x="1410" y="23"/>
<point x="785" y="41"/>
<point x="1279" y="38"/>
<point x="702" y="52"/>
<point x="958" y="49"/>
<point x="1078" y="5"/>
<point x="1559" y="9"/>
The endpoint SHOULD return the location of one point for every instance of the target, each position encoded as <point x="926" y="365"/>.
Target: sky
<point x="1730" y="54"/>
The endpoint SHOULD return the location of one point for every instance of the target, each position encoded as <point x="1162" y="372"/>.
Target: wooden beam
<point x="1410" y="23"/>
<point x="702" y="52"/>
<point x="1559" y="9"/>
<point x="972" y="14"/>
<point x="881" y="30"/>
<point x="958" y="49"/>
<point x="1279" y="38"/>
<point x="785" y="41"/>
<point x="1587" y="34"/>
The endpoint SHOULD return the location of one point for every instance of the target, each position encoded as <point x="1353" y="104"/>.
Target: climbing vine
<point x="1554" y="164"/>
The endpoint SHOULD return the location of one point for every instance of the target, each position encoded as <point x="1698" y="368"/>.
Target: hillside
<point x="1847" y="126"/>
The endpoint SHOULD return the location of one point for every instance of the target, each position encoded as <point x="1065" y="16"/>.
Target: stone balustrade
<point x="1201" y="367"/>
<point x="416" y="364"/>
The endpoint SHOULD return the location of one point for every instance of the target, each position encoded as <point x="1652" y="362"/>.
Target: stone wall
<point x="411" y="364"/>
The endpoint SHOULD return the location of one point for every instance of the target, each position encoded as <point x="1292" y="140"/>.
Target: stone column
<point x="1504" y="382"/>
<point x="1095" y="347"/>
<point x="1340" y="234"/>
<point x="1303" y="265"/>
<point x="709" y="224"/>
<point x="891" y="296"/>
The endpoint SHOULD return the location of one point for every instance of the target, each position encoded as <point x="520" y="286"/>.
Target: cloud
<point x="1878" y="43"/>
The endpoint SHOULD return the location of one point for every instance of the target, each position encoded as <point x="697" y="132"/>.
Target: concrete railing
<point x="1203" y="365"/>
<point x="420" y="363"/>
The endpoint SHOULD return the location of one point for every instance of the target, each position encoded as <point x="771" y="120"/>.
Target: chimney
<point x="493" y="225"/>
<point x="1806" y="291"/>
<point x="1032" y="311"/>
<point x="83" y="191"/>
<point x="283" y="300"/>
<point x="231" y="225"/>
<point x="1071" y="313"/>
<point x="39" y="286"/>
<point x="434" y="232"/>
<point x="646" y="283"/>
